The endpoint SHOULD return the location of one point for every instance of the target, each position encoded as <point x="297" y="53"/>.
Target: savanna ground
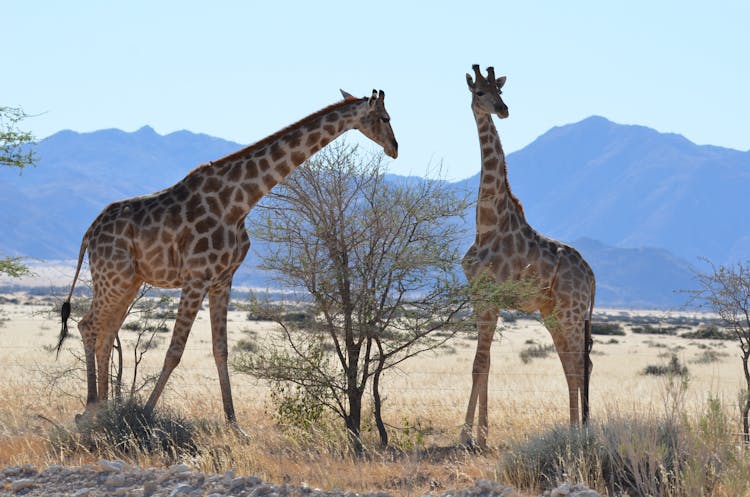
<point x="424" y="400"/>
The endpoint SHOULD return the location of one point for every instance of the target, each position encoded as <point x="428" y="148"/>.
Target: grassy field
<point x="424" y="406"/>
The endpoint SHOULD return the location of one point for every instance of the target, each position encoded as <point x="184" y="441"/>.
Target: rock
<point x="115" y="481"/>
<point x="21" y="484"/>
<point x="149" y="488"/>
<point x="228" y="477"/>
<point x="181" y="490"/>
<point x="110" y="466"/>
<point x="561" y="491"/>
<point x="177" y="469"/>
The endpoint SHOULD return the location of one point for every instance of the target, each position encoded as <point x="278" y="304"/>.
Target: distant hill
<point x="631" y="186"/>
<point x="46" y="209"/>
<point x="628" y="187"/>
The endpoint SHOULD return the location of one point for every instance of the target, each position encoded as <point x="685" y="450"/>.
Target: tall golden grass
<point x="424" y="408"/>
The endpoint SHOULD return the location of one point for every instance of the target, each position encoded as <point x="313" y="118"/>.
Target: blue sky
<point x="242" y="70"/>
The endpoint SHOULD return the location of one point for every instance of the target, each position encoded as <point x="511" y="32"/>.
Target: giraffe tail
<point x="586" y="358"/>
<point x="66" y="307"/>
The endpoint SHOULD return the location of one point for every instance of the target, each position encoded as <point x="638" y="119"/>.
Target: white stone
<point x="181" y="490"/>
<point x="110" y="466"/>
<point x="179" y="468"/>
<point x="228" y="477"/>
<point x="21" y="484"/>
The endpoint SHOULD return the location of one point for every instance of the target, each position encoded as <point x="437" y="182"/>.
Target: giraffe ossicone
<point x="507" y="248"/>
<point x="192" y="236"/>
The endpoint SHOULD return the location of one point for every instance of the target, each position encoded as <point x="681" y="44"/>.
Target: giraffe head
<point x="375" y="123"/>
<point x="485" y="92"/>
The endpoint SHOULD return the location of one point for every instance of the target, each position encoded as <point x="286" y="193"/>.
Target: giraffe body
<point x="192" y="236"/>
<point x="506" y="248"/>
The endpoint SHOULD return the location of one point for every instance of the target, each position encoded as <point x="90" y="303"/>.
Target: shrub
<point x="708" y="333"/>
<point x="126" y="428"/>
<point x="673" y="368"/>
<point x="709" y="356"/>
<point x="634" y="456"/>
<point x="245" y="345"/>
<point x="542" y="461"/>
<point x="648" y="329"/>
<point x="607" y="329"/>
<point x="536" y="352"/>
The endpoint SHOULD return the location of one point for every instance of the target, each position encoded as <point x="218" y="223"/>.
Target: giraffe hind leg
<point x="87" y="329"/>
<point x="568" y="336"/>
<point x="111" y="320"/>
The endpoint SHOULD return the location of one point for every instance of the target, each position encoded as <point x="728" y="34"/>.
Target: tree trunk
<point x="377" y="403"/>
<point x="746" y="407"/>
<point x="353" y="421"/>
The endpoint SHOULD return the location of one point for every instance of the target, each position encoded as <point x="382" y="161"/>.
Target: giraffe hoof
<point x="467" y="442"/>
<point x="239" y="431"/>
<point x="84" y="419"/>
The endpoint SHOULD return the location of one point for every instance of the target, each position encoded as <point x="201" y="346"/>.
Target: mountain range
<point x="640" y="205"/>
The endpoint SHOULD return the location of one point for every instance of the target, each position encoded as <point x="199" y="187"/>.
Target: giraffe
<point x="192" y="236"/>
<point x="506" y="248"/>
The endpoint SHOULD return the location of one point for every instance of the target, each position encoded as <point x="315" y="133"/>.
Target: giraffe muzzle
<point x="392" y="150"/>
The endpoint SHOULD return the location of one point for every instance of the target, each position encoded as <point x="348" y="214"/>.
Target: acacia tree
<point x="375" y="259"/>
<point x="15" y="151"/>
<point x="726" y="291"/>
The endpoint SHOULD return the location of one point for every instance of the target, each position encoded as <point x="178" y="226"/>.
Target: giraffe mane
<point x="275" y="136"/>
<point x="512" y="196"/>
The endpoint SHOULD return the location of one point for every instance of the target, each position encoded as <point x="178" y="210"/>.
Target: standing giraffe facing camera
<point x="507" y="248"/>
<point x="192" y="236"/>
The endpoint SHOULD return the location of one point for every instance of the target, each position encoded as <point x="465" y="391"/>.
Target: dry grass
<point x="429" y="392"/>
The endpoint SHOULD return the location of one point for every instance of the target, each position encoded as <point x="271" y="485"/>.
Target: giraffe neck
<point x="495" y="199"/>
<point x="238" y="181"/>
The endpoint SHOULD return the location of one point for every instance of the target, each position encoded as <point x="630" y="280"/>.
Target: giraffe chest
<point x="511" y="256"/>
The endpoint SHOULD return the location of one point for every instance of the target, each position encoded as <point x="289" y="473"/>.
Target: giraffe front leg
<point x="486" y="322"/>
<point x="190" y="301"/>
<point x="218" y="300"/>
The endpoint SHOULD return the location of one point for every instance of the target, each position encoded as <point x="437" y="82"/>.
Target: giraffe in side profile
<point x="507" y="248"/>
<point x="192" y="236"/>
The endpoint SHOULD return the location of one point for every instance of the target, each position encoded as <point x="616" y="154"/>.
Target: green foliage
<point x="13" y="267"/>
<point x="486" y="293"/>
<point x="301" y="389"/>
<point x="297" y="408"/>
<point x="410" y="436"/>
<point x="599" y="328"/>
<point x="126" y="428"/>
<point x="15" y="149"/>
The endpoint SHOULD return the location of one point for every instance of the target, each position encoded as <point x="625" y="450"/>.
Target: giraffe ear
<point x="469" y="81"/>
<point x="501" y="81"/>
<point x="346" y="95"/>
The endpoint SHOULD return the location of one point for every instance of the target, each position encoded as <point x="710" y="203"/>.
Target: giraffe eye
<point x="385" y="119"/>
<point x="480" y="93"/>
